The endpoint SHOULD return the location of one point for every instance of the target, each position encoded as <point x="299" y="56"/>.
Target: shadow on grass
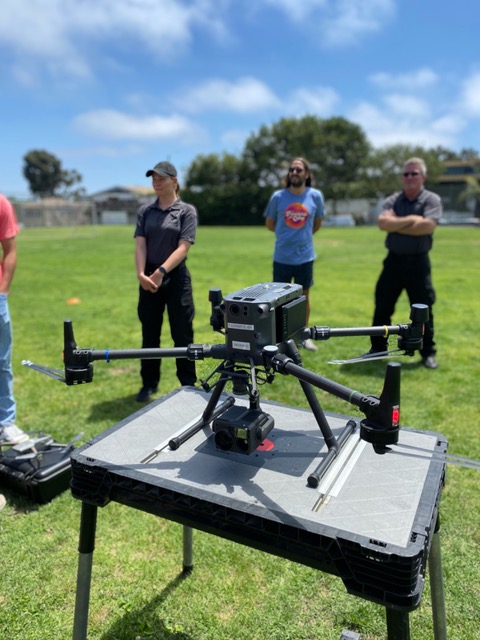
<point x="21" y="503"/>
<point x="144" y="622"/>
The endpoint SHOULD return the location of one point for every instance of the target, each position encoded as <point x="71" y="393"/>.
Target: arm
<point x="412" y="225"/>
<point x="270" y="224"/>
<point x="317" y="223"/>
<point x="9" y="263"/>
<point x="146" y="282"/>
<point x="174" y="259"/>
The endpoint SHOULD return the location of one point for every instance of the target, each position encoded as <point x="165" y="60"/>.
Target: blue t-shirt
<point x="294" y="215"/>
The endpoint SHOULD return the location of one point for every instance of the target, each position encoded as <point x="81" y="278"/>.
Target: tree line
<point x="231" y="189"/>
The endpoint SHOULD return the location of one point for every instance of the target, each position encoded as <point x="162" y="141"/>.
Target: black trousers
<point x="412" y="274"/>
<point x="176" y="296"/>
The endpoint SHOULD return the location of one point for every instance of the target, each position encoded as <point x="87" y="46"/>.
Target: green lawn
<point x="235" y="593"/>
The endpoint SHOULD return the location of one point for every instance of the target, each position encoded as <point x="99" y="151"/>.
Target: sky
<point x="111" y="87"/>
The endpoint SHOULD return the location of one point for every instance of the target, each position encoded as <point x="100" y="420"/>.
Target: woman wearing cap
<point x="164" y="234"/>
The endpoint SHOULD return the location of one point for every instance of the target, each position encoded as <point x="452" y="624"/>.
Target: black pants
<point x="176" y="295"/>
<point x="412" y="273"/>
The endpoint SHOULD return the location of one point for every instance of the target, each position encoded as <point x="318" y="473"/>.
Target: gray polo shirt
<point x="164" y="228"/>
<point x="428" y="205"/>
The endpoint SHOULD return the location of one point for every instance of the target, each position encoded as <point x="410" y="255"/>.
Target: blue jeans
<point x="7" y="401"/>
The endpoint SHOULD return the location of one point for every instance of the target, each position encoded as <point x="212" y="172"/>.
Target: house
<point x="119" y="204"/>
<point x="452" y="184"/>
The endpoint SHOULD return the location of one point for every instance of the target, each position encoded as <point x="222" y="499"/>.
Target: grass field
<point x="235" y="593"/>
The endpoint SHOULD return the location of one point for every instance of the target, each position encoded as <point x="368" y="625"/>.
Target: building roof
<point x="124" y="192"/>
<point x="459" y="170"/>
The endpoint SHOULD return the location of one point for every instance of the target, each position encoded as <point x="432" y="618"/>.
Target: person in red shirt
<point x="10" y="434"/>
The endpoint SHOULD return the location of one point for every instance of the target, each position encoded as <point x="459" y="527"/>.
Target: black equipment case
<point x="38" y="468"/>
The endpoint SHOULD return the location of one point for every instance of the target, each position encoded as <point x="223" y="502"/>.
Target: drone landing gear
<point x="243" y="430"/>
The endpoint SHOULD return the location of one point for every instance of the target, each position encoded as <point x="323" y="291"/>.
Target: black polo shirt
<point x="164" y="228"/>
<point x="428" y="205"/>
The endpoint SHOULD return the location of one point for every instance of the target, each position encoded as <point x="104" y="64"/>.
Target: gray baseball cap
<point x="163" y="169"/>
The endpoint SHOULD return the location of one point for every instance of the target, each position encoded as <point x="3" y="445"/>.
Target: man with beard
<point x="294" y="214"/>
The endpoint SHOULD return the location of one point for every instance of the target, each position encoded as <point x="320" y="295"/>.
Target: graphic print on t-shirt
<point x="296" y="215"/>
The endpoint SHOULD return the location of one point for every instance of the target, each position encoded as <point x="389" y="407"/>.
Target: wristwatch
<point x="163" y="270"/>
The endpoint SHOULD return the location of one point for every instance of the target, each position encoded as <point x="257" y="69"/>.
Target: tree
<point x="335" y="148"/>
<point x="384" y="167"/>
<point x="235" y="190"/>
<point x="46" y="177"/>
<point x="222" y="191"/>
<point x="212" y="170"/>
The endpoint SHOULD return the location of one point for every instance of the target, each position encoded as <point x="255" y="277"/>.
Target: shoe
<point x="430" y="362"/>
<point x="309" y="345"/>
<point x="12" y="435"/>
<point x="145" y="392"/>
<point x="3" y="502"/>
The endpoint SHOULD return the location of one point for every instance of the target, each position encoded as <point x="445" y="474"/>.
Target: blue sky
<point x="113" y="86"/>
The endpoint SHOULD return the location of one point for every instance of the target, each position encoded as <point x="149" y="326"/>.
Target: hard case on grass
<point x="39" y="468"/>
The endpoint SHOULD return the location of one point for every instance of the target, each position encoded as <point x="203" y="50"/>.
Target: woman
<point x="164" y="234"/>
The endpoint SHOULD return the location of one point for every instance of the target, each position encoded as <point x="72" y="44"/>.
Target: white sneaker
<point x="12" y="435"/>
<point x="3" y="502"/>
<point x="309" y="345"/>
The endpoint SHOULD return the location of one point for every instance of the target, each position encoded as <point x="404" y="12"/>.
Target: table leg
<point x="187" y="549"/>
<point x="436" y="586"/>
<point x="88" y="524"/>
<point x="398" y="624"/>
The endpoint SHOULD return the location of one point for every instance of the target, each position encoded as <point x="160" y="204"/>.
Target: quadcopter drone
<point x="263" y="326"/>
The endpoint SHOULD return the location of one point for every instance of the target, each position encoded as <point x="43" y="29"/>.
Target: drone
<point x="263" y="326"/>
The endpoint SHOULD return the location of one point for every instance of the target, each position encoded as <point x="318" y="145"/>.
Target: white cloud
<point x="337" y="22"/>
<point x="348" y="21"/>
<point x="450" y="124"/>
<point x="246" y="95"/>
<point x="297" y="11"/>
<point x="53" y="34"/>
<point x="470" y="97"/>
<point x="108" y="123"/>
<point x="385" y="127"/>
<point x="423" y="78"/>
<point x="250" y="95"/>
<point x="407" y="106"/>
<point x="320" y="101"/>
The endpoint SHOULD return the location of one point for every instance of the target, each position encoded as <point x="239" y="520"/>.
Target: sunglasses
<point x="411" y="173"/>
<point x="295" y="170"/>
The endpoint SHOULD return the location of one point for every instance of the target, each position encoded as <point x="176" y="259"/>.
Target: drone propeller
<point x="57" y="374"/>
<point x="367" y="357"/>
<point x="413" y="451"/>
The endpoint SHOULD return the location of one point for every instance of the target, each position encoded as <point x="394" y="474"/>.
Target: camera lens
<point x="242" y="445"/>
<point x="224" y="440"/>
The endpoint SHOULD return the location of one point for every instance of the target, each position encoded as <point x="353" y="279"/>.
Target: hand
<point x="148" y="283"/>
<point x="157" y="278"/>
